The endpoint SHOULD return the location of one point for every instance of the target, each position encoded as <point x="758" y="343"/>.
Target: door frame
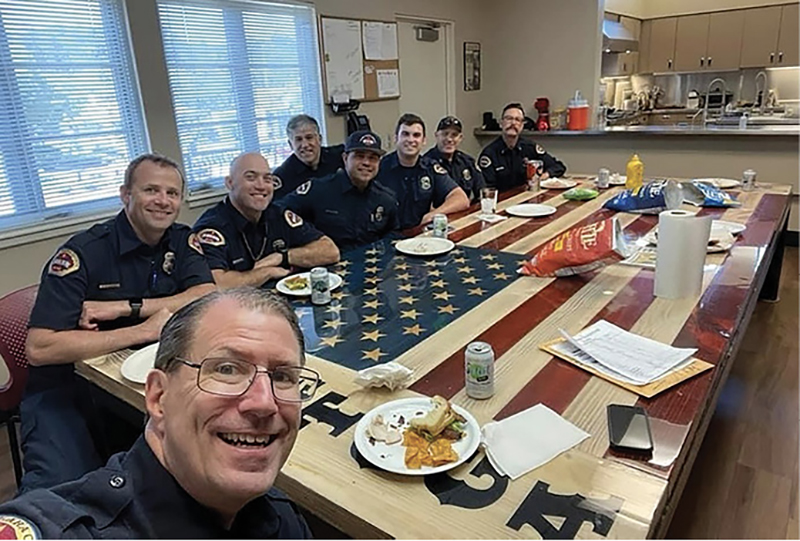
<point x="447" y="29"/>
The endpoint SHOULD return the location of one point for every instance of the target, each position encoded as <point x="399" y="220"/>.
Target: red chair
<point x="15" y="310"/>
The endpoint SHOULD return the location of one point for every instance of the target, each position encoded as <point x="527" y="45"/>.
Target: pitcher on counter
<point x="502" y="162"/>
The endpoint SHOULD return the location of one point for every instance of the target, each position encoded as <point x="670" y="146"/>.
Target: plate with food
<point x="299" y="285"/>
<point x="733" y="227"/>
<point x="530" y="210"/>
<point x="139" y="363"/>
<point x="721" y="183"/>
<point x="425" y="246"/>
<point x="720" y="240"/>
<point x="417" y="436"/>
<point x="558" y="184"/>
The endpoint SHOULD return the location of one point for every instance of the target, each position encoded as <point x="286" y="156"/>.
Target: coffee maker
<point x="543" y="106"/>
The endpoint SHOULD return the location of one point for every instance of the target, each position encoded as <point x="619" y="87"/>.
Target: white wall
<point x="649" y="9"/>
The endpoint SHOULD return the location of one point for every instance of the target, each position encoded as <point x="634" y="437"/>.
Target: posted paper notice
<point x="388" y="83"/>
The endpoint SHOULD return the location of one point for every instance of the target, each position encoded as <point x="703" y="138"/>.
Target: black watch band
<point x="285" y="259"/>
<point x="136" y="308"/>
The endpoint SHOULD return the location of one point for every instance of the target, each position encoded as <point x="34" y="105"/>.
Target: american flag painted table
<point x="423" y="313"/>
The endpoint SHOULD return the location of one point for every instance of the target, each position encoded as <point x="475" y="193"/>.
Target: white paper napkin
<point x="491" y="218"/>
<point x="392" y="375"/>
<point x="529" y="439"/>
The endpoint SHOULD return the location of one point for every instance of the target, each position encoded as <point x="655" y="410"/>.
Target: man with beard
<point x="309" y="159"/>
<point x="349" y="206"/>
<point x="459" y="165"/>
<point x="422" y="187"/>
<point x="248" y="241"/>
<point x="503" y="161"/>
<point x="108" y="288"/>
<point x="223" y="404"/>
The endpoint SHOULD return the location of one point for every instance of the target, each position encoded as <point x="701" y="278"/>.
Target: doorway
<point x="427" y="70"/>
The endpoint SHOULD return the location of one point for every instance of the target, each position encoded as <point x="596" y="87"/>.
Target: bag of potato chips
<point x="701" y="194"/>
<point x="579" y="250"/>
<point x="650" y="198"/>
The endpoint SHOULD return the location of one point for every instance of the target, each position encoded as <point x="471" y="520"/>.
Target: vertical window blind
<point x="238" y="70"/>
<point x="70" y="112"/>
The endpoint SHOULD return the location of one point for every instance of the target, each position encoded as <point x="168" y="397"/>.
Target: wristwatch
<point x="136" y="307"/>
<point x="285" y="259"/>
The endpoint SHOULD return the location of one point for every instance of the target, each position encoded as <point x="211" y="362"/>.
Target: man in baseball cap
<point x="347" y="206"/>
<point x="459" y="165"/>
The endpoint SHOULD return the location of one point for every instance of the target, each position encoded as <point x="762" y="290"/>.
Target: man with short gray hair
<point x="309" y="159"/>
<point x="216" y="438"/>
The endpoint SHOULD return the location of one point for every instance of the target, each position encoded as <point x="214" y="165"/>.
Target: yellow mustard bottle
<point x="635" y="173"/>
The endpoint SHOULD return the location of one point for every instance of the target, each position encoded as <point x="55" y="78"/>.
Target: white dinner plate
<point x="425" y="246"/>
<point x="530" y="210"/>
<point x="618" y="180"/>
<point x="558" y="184"/>
<point x="733" y="227"/>
<point x="334" y="281"/>
<point x="722" y="235"/>
<point x="392" y="457"/>
<point x="721" y="183"/>
<point x="136" y="367"/>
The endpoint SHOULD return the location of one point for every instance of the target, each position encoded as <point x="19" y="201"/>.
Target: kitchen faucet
<point x="708" y="91"/>
<point x="762" y="102"/>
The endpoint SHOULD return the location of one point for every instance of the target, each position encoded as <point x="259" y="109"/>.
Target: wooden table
<point x="423" y="313"/>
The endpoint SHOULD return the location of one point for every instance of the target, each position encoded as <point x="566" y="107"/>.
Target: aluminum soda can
<point x="440" y="226"/>
<point x="533" y="170"/>
<point x="320" y="287"/>
<point x="603" y="178"/>
<point x="479" y="370"/>
<point x="749" y="180"/>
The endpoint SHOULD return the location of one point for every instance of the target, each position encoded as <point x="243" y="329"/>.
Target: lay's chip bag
<point x="701" y="194"/>
<point x="650" y="198"/>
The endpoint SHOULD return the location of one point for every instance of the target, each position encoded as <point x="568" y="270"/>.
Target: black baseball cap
<point x="449" y="122"/>
<point x="364" y="140"/>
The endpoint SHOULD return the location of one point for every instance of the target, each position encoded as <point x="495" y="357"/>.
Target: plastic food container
<point x="578" y="113"/>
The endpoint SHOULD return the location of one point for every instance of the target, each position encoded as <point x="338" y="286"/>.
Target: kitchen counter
<point x="711" y="130"/>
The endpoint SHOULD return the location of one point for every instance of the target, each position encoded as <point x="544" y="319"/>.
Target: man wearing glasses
<point x="248" y="241"/>
<point x="459" y="165"/>
<point x="224" y="404"/>
<point x="503" y="161"/>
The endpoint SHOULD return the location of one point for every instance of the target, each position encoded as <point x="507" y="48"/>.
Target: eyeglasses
<point x="233" y="377"/>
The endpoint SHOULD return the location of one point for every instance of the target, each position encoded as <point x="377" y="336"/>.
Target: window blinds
<point x="70" y="113"/>
<point x="238" y="71"/>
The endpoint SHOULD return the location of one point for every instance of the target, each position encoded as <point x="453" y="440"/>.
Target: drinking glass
<point x="488" y="200"/>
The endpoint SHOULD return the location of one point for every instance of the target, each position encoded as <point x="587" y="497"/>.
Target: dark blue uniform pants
<point x="57" y="444"/>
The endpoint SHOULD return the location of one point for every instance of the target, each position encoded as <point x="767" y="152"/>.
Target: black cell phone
<point x="629" y="428"/>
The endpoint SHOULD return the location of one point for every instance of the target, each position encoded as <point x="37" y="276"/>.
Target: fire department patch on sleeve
<point x="64" y="262"/>
<point x="540" y="149"/>
<point x="292" y="219"/>
<point x="303" y="188"/>
<point x="439" y="169"/>
<point x="277" y="183"/>
<point x="14" y="527"/>
<point x="194" y="244"/>
<point x="211" y="237"/>
<point x="485" y="161"/>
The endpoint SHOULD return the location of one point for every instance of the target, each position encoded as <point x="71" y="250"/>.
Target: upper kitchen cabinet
<point x="760" y="40"/>
<point x="662" y="45"/>
<point x="691" y="42"/>
<point x="788" y="46"/>
<point x="644" y="47"/>
<point x="725" y="30"/>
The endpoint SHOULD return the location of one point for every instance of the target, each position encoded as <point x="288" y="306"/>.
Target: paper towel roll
<point x="681" y="253"/>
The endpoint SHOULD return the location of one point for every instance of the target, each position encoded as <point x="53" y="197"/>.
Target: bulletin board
<point x="360" y="59"/>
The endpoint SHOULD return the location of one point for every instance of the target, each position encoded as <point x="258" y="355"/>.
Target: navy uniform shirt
<point x="417" y="188"/>
<point x="504" y="168"/>
<point x="231" y="242"/>
<point x="462" y="169"/>
<point x="134" y="497"/>
<point x="342" y="212"/>
<point x="108" y="262"/>
<point x="293" y="172"/>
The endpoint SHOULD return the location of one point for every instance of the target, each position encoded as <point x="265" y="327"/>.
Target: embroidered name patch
<point x="64" y="262"/>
